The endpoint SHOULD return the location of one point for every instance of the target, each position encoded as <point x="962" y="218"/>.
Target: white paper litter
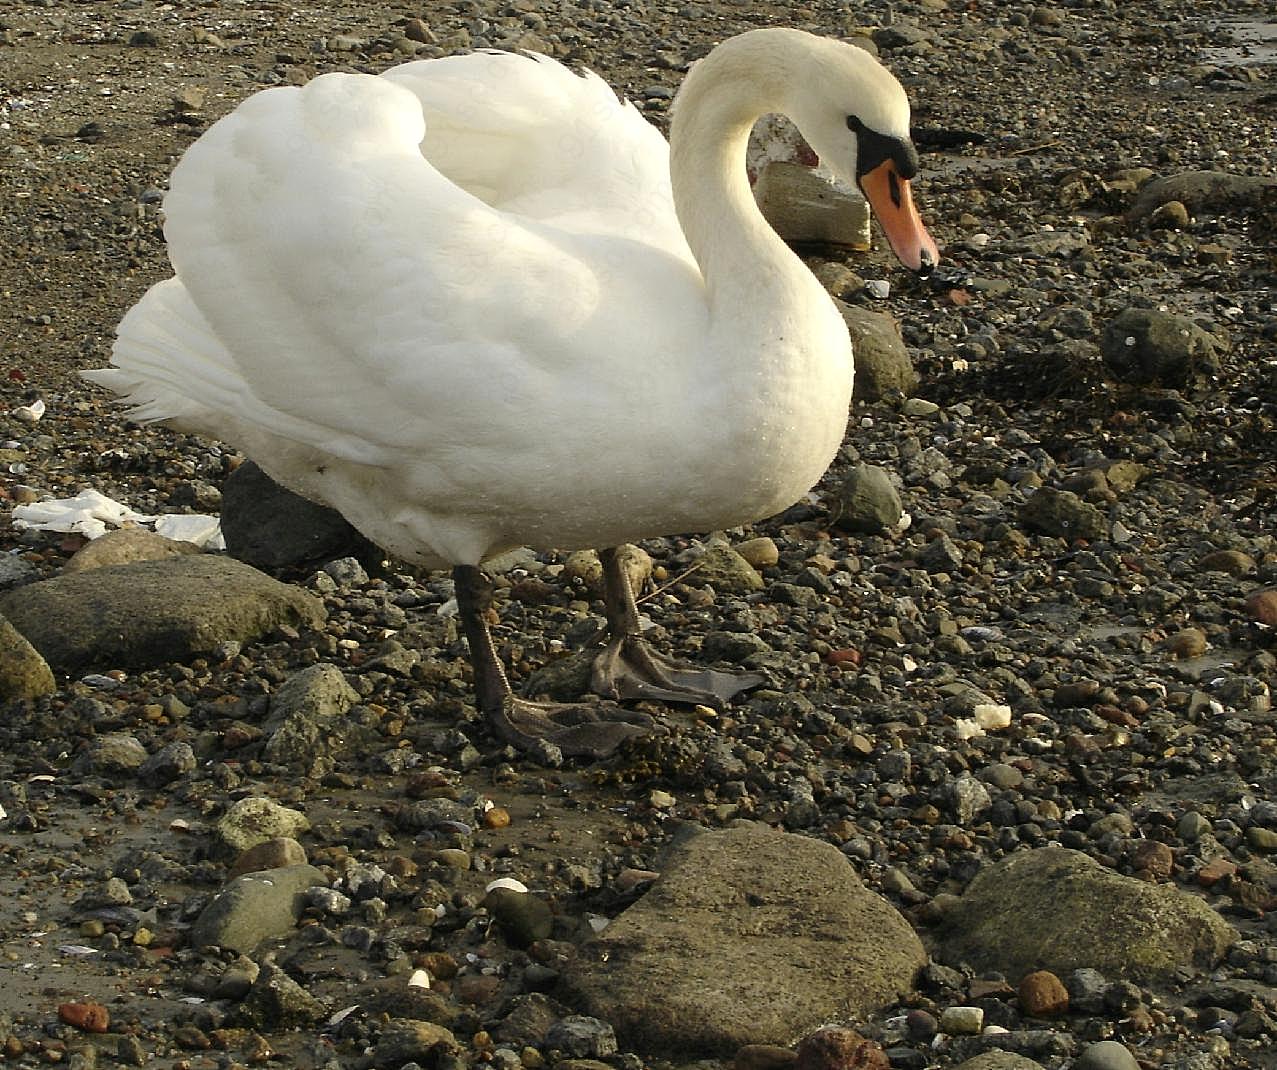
<point x="198" y="528"/>
<point x="90" y="512"/>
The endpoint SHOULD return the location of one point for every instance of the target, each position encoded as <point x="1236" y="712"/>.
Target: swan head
<point x="855" y="115"/>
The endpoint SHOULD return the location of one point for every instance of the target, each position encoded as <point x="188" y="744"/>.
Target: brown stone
<point x="1216" y="870"/>
<point x="272" y="854"/>
<point x="91" y="1017"/>
<point x="1234" y="562"/>
<point x="1262" y="606"/>
<point x="835" y="1047"/>
<point x="496" y="818"/>
<point x="1187" y="643"/>
<point x="1153" y="860"/>
<point x="1043" y="995"/>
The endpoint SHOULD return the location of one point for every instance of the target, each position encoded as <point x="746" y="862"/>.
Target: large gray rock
<point x="153" y="612"/>
<point x="24" y="674"/>
<point x="270" y="527"/>
<point x="1059" y="910"/>
<point x="1145" y="345"/>
<point x="751" y="936"/>
<point x="255" y="907"/>
<point x="882" y="361"/>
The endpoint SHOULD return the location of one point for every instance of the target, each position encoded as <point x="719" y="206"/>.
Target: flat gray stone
<point x="255" y="907"/>
<point x="751" y="936"/>
<point x="1059" y="910"/>
<point x="153" y="612"/>
<point x="1062" y="514"/>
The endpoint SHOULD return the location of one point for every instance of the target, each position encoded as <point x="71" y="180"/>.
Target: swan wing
<point x="529" y="136"/>
<point x="337" y="278"/>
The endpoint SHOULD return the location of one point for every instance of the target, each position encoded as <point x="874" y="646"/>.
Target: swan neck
<point x="721" y="99"/>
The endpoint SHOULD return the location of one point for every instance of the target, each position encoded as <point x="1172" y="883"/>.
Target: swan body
<point x="477" y="302"/>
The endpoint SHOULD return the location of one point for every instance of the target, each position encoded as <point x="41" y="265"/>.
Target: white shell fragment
<point x="30" y="413"/>
<point x="992" y="716"/>
<point x="506" y="882"/>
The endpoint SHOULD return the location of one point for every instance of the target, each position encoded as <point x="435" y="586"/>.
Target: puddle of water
<point x="1256" y="45"/>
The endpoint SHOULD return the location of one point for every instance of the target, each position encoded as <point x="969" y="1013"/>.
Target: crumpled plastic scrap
<point x="90" y="512"/>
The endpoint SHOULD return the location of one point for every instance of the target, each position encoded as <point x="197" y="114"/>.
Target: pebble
<point x="90" y="1017"/>
<point x="254" y="820"/>
<point x="1106" y="1055"/>
<point x="962" y="1021"/>
<point x="1043" y="995"/>
<point x="867" y="501"/>
<point x="524" y="918"/>
<point x="581" y="1036"/>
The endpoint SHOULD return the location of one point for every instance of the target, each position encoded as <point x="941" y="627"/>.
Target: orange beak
<point x="892" y="202"/>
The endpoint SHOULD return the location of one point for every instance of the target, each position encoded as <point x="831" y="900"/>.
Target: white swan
<point x="477" y="302"/>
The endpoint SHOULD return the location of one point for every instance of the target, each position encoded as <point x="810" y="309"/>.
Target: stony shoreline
<point x="1010" y="800"/>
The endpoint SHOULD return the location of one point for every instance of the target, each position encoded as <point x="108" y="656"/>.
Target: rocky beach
<point x="1008" y="799"/>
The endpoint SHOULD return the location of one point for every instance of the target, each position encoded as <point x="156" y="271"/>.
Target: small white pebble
<point x="419" y="979"/>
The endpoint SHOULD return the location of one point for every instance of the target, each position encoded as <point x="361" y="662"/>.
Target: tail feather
<point x="169" y="366"/>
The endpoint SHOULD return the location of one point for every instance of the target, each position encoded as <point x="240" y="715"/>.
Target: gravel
<point x="1051" y="628"/>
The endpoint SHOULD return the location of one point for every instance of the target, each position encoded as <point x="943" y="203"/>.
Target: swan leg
<point x="627" y="668"/>
<point x="591" y="730"/>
